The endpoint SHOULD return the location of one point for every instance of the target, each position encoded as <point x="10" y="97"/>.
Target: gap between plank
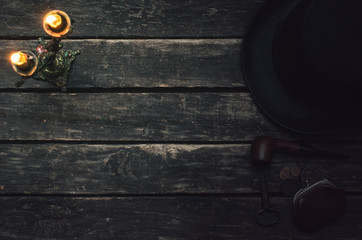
<point x="138" y="142"/>
<point x="123" y="38"/>
<point x="155" y="195"/>
<point x="158" y="195"/>
<point x="131" y="90"/>
<point x="105" y="142"/>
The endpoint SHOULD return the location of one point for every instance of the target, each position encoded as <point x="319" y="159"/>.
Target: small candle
<point x="54" y="21"/>
<point x="20" y="59"/>
<point x="24" y="62"/>
<point x="57" y="24"/>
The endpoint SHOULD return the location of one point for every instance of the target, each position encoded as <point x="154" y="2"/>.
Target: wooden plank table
<point x="152" y="138"/>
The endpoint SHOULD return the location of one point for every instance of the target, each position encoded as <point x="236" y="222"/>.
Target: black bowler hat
<point x="302" y="62"/>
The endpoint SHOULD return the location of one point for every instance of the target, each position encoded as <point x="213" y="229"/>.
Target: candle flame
<point x="57" y="24"/>
<point x="19" y="58"/>
<point x="54" y="20"/>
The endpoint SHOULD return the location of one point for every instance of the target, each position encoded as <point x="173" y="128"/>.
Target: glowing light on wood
<point x="54" y="20"/>
<point x="19" y="58"/>
<point x="50" y="62"/>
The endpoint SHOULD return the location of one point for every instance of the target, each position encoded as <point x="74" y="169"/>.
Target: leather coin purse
<point x="318" y="204"/>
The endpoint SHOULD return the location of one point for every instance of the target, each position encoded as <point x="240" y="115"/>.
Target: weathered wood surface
<point x="152" y="139"/>
<point x="140" y="63"/>
<point x="150" y="169"/>
<point x="158" y="116"/>
<point x="132" y="19"/>
<point x="130" y="117"/>
<point x="160" y="219"/>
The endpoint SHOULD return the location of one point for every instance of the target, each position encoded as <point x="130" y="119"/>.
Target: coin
<point x="285" y="173"/>
<point x="295" y="171"/>
<point x="312" y="173"/>
<point x="289" y="171"/>
<point x="290" y="186"/>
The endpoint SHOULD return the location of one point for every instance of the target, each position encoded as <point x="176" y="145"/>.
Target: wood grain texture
<point x="161" y="117"/>
<point x="152" y="139"/>
<point x="150" y="169"/>
<point x="130" y="117"/>
<point x="130" y="18"/>
<point x="140" y="63"/>
<point x="160" y="219"/>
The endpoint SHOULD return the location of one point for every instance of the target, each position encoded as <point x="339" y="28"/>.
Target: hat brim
<point x="272" y="97"/>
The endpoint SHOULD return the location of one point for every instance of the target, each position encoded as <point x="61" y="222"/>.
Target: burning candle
<point x="24" y="62"/>
<point x="50" y="62"/>
<point x="54" y="21"/>
<point x="57" y="24"/>
<point x="19" y="59"/>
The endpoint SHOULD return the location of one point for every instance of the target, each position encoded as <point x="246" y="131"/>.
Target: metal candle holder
<point x="50" y="62"/>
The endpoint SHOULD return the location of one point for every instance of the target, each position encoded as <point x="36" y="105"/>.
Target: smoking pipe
<point x="263" y="149"/>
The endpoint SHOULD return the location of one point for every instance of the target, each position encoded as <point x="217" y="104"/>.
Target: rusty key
<point x="266" y="216"/>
